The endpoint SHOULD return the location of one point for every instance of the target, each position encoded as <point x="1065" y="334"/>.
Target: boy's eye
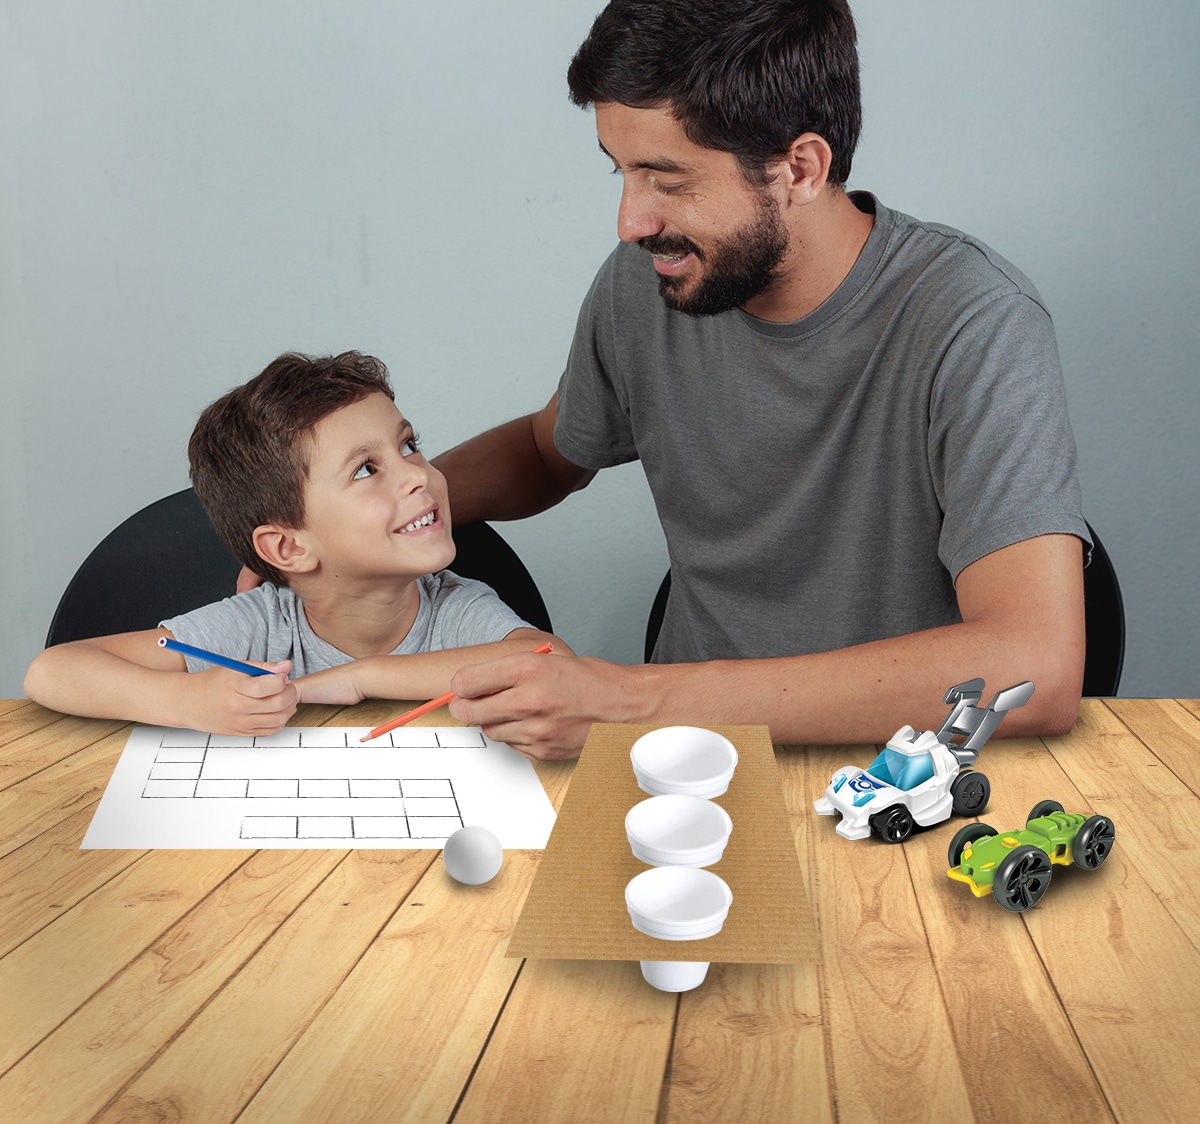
<point x="409" y="445"/>
<point x="363" y="471"/>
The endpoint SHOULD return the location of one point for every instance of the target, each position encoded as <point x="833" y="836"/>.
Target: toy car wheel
<point x="966" y="835"/>
<point x="894" y="824"/>
<point x="1021" y="878"/>
<point x="1043" y="808"/>
<point x="969" y="793"/>
<point x="1093" y="841"/>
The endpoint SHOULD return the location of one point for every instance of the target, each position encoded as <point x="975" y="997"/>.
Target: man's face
<point x="374" y="507"/>
<point x="717" y="241"/>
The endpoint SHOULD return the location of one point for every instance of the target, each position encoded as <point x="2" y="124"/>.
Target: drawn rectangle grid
<point x="428" y="805"/>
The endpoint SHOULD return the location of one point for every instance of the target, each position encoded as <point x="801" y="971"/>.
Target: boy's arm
<point x="129" y="676"/>
<point x="419" y="676"/>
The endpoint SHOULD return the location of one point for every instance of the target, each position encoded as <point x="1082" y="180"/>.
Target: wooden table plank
<point x="87" y="1059"/>
<point x="57" y="792"/>
<point x="1007" y="1015"/>
<point x="1131" y="990"/>
<point x="7" y="706"/>
<point x="399" y="1039"/>
<point x="1171" y="731"/>
<point x="1157" y="817"/>
<point x="51" y="975"/>
<point x="217" y="1063"/>
<point x="46" y="876"/>
<point x="575" y="1037"/>
<point x="30" y="747"/>
<point x="883" y="1001"/>
<point x="753" y="1034"/>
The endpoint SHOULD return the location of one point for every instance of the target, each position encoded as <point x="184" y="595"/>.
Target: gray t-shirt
<point x="268" y="623"/>
<point x="822" y="483"/>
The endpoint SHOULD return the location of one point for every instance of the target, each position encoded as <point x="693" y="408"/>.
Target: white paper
<point x="318" y="787"/>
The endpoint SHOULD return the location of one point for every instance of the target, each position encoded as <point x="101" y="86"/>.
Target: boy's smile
<point x="373" y="505"/>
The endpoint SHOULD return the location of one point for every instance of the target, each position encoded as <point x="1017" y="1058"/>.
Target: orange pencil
<point x="425" y="708"/>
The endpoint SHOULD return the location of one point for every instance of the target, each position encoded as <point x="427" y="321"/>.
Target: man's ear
<point x="805" y="168"/>
<point x="284" y="548"/>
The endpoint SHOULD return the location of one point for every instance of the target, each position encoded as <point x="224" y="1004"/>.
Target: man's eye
<point x="363" y="471"/>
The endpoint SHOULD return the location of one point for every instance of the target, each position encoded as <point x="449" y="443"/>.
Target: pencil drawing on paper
<point x="317" y="787"/>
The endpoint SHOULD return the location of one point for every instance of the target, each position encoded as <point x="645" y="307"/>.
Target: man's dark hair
<point x="743" y="76"/>
<point x="249" y="451"/>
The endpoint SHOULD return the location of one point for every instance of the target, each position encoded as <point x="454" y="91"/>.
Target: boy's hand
<point x="334" y="685"/>
<point x="229" y="702"/>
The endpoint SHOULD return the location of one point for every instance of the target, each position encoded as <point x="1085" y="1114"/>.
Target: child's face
<point x="374" y="507"/>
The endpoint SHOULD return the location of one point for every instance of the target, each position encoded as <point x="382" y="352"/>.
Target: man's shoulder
<point x="944" y="255"/>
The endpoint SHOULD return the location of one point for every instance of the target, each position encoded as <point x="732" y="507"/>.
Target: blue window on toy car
<point x="900" y="770"/>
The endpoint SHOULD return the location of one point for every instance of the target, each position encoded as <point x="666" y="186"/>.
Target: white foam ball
<point x="473" y="855"/>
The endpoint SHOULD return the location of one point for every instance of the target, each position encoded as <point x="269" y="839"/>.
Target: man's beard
<point x="736" y="269"/>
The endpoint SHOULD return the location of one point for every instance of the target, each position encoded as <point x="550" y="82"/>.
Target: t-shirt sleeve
<point x="237" y="627"/>
<point x="470" y="612"/>
<point x="593" y="428"/>
<point x="1001" y="449"/>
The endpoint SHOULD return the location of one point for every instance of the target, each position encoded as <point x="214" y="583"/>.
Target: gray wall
<point x="187" y="190"/>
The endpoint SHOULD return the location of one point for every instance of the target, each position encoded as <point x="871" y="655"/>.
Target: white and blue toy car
<point x="922" y="778"/>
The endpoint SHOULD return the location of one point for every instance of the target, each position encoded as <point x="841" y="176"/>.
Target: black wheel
<point x="1043" y="808"/>
<point x="894" y="824"/>
<point x="1093" y="842"/>
<point x="966" y="835"/>
<point x="1021" y="878"/>
<point x="969" y="793"/>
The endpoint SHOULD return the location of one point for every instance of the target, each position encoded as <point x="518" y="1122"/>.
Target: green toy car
<point x="1015" y="866"/>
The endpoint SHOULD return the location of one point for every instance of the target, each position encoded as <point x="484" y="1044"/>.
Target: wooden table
<point x="293" y="986"/>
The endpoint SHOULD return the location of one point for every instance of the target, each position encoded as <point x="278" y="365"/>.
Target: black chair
<point x="1104" y="613"/>
<point x="167" y="560"/>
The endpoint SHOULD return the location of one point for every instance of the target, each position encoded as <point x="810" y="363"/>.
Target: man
<point x="853" y="423"/>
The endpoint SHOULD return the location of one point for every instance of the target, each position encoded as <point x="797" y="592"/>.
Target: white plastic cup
<point x="678" y="903"/>
<point x="674" y="975"/>
<point x="678" y="830"/>
<point x="684" y="761"/>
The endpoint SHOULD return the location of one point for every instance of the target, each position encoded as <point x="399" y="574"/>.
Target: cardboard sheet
<point x="575" y="909"/>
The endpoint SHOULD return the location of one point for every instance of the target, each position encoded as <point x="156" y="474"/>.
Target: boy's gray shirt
<point x="268" y="624"/>
<point x="822" y="483"/>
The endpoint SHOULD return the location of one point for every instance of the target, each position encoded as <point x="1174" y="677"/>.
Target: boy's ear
<point x="283" y="548"/>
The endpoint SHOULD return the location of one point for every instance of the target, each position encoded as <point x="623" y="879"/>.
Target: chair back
<point x="166" y="560"/>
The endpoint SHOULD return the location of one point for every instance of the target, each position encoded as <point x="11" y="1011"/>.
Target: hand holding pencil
<point x="425" y="708"/>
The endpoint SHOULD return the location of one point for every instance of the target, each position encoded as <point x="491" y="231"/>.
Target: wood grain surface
<point x="345" y="986"/>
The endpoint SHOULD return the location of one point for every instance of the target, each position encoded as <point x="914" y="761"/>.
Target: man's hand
<point x="247" y="580"/>
<point x="542" y="706"/>
<point x="222" y="701"/>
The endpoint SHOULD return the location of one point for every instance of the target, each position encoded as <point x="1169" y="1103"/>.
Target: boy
<point x="313" y="479"/>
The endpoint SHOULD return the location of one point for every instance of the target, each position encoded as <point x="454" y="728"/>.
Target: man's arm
<point x="510" y="472"/>
<point x="1022" y="610"/>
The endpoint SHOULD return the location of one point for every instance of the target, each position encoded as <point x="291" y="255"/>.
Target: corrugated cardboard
<point x="576" y="906"/>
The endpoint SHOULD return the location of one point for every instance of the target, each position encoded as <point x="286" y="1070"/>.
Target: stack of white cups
<point x="679" y="831"/>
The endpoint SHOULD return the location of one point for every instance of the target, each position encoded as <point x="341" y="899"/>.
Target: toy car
<point x="922" y="778"/>
<point x="1015" y="867"/>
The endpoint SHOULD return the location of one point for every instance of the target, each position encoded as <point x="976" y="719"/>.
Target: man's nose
<point x="637" y="218"/>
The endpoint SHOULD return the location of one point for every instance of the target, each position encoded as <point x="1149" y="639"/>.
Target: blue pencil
<point x="210" y="657"/>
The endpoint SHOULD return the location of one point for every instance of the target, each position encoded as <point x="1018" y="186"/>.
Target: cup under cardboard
<point x="575" y="909"/>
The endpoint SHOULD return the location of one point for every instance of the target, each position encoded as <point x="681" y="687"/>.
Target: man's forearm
<point x="860" y="694"/>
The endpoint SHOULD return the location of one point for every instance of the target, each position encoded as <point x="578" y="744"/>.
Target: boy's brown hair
<point x="249" y="451"/>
